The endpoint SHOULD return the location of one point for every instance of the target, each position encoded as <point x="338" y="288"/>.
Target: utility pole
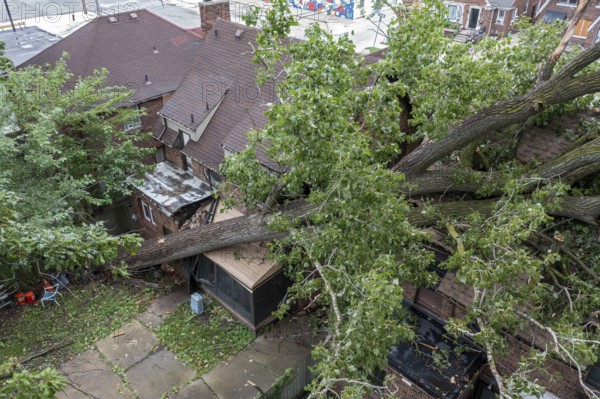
<point x="97" y="7"/>
<point x="84" y="7"/>
<point x="10" y="16"/>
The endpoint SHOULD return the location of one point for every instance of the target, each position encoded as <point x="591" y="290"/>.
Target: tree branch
<point x="546" y="71"/>
<point x="561" y="351"/>
<point x="562" y="87"/>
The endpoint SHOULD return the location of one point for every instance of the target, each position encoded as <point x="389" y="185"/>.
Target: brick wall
<point x="151" y="107"/>
<point x="174" y="156"/>
<point x="591" y="14"/>
<point x="161" y="221"/>
<point x="148" y="121"/>
<point x="209" y="12"/>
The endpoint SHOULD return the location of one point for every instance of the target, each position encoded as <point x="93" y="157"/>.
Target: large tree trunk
<point x="585" y="209"/>
<point x="569" y="168"/>
<point x="254" y="228"/>
<point x="227" y="233"/>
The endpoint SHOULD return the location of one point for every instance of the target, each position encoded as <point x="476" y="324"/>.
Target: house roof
<point x="237" y="139"/>
<point x="130" y="46"/>
<point x="416" y="360"/>
<point x="539" y="143"/>
<point x="461" y="293"/>
<point x="26" y="42"/>
<point x="247" y="263"/>
<point x="172" y="188"/>
<point x="223" y="72"/>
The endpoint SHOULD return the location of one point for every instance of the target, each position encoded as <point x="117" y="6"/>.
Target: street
<point x="53" y="15"/>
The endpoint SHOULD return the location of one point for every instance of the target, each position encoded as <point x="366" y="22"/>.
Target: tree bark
<point x="585" y="209"/>
<point x="227" y="233"/>
<point x="571" y="167"/>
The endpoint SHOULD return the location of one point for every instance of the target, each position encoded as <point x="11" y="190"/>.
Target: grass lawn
<point x="85" y="314"/>
<point x="202" y="342"/>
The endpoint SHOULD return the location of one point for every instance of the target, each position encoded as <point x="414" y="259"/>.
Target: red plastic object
<point x="20" y="298"/>
<point x="30" y="296"/>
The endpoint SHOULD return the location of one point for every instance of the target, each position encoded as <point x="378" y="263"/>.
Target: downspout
<point x="164" y="129"/>
<point x="542" y="8"/>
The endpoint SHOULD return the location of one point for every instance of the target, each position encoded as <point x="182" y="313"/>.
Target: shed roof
<point x="130" y="46"/>
<point x="247" y="263"/>
<point x="173" y="188"/>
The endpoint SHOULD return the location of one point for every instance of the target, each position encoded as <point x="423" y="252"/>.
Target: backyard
<point x="40" y="337"/>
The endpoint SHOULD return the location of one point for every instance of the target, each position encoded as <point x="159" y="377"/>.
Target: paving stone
<point x="90" y="374"/>
<point x="129" y="348"/>
<point x="231" y="380"/>
<point x="196" y="390"/>
<point x="158" y="374"/>
<point x="162" y="308"/>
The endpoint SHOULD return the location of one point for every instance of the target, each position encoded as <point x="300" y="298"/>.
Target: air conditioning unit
<point x="197" y="303"/>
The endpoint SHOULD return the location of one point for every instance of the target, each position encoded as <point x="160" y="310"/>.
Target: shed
<point x="241" y="278"/>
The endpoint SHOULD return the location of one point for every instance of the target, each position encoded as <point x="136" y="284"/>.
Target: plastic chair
<point x="50" y="294"/>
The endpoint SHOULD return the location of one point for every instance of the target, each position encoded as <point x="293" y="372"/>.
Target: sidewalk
<point x="131" y="363"/>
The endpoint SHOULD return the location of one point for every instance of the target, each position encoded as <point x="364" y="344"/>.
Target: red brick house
<point x="489" y="17"/>
<point x="142" y="52"/>
<point x="587" y="31"/>
<point x="209" y="115"/>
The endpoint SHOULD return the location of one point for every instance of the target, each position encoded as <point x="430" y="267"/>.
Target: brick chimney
<point x="211" y="10"/>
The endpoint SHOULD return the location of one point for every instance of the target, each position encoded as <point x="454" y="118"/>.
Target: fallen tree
<point x="353" y="231"/>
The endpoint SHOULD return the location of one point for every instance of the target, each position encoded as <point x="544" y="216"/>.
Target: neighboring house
<point x="142" y="52"/>
<point x="489" y="17"/>
<point x="412" y="369"/>
<point x="587" y="31"/>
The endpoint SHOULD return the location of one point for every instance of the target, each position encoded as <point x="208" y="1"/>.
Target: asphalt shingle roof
<point x="130" y="46"/>
<point x="222" y="70"/>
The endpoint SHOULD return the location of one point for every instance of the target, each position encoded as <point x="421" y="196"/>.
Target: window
<point x="568" y="2"/>
<point x="134" y="123"/>
<point x="593" y="377"/>
<point x="148" y="212"/>
<point x="581" y="30"/>
<point x="500" y="17"/>
<point x="453" y="12"/>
